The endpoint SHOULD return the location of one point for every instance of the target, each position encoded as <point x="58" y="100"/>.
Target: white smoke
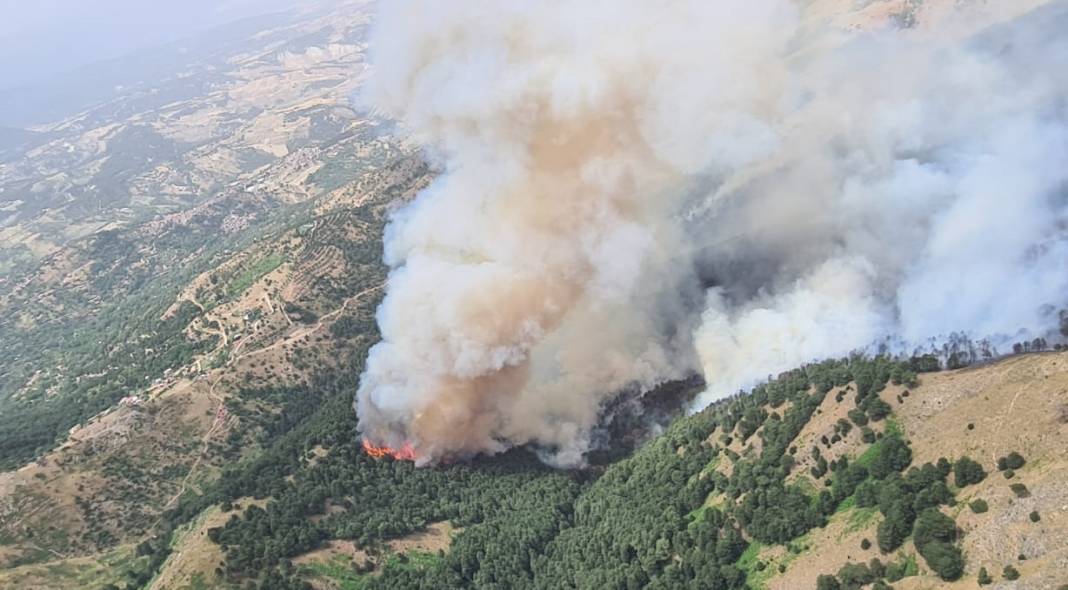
<point x="604" y="160"/>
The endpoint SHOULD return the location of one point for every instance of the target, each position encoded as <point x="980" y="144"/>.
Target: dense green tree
<point x="894" y="528"/>
<point x="866" y="494"/>
<point x="1013" y="460"/>
<point x="854" y="575"/>
<point x="945" y="559"/>
<point x="890" y="455"/>
<point x="934" y="534"/>
<point x="967" y="472"/>
<point x="932" y="525"/>
<point x="827" y="582"/>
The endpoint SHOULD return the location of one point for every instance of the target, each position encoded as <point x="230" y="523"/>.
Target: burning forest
<point x="634" y="192"/>
<point x="404" y="453"/>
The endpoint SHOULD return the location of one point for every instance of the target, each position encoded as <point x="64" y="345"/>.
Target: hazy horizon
<point x="45" y="39"/>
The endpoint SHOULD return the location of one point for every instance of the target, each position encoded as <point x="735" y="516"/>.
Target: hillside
<point x="119" y="209"/>
<point x="653" y="518"/>
<point x="341" y="515"/>
<point x="190" y="270"/>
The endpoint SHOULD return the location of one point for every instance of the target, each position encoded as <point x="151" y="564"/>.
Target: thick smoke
<point x="632" y="191"/>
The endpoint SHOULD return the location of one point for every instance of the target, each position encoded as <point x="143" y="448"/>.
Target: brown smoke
<point x="635" y="190"/>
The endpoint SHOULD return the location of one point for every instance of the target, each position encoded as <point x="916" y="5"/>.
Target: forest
<point x="660" y="517"/>
<point x="655" y="515"/>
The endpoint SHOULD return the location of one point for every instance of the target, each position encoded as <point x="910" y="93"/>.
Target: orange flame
<point x="405" y="453"/>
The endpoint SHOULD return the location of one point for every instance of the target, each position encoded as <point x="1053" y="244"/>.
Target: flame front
<point x="405" y="453"/>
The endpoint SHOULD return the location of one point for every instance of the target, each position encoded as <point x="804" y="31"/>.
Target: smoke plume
<point x="633" y="191"/>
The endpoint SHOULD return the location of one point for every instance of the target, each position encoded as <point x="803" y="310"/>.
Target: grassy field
<point x="253" y="273"/>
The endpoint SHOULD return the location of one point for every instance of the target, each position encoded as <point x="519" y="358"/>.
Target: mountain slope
<point x="188" y="280"/>
<point x="670" y="516"/>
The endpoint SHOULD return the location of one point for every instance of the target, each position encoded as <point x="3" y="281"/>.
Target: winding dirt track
<point x="221" y="418"/>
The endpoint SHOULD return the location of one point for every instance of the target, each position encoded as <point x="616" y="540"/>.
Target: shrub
<point x="820" y="468"/>
<point x="866" y="495"/>
<point x="984" y="577"/>
<point x="858" y="417"/>
<point x="935" y="494"/>
<point x="1013" y="460"/>
<point x="898" y="570"/>
<point x="967" y="472"/>
<point x="877" y="409"/>
<point x="877" y="568"/>
<point x="1009" y="473"/>
<point x="865" y="544"/>
<point x="945" y="559"/>
<point x="827" y="583"/>
<point x="867" y="435"/>
<point x="894" y="528"/>
<point x="1020" y="490"/>
<point x="1010" y="573"/>
<point x="932" y="525"/>
<point x="855" y="575"/>
<point x="1034" y="516"/>
<point x="979" y="506"/>
<point x="891" y="454"/>
<point x="843" y="426"/>
<point x="934" y="534"/>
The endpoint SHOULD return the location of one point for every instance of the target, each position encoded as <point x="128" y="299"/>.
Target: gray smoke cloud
<point x="632" y="191"/>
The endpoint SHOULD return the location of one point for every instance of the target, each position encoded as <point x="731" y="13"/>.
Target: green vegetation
<point x="1011" y="461"/>
<point x="934" y="535"/>
<point x="967" y="472"/>
<point x="341" y="570"/>
<point x="529" y="526"/>
<point x="660" y="517"/>
<point x="826" y="582"/>
<point x="248" y="276"/>
<point x="978" y="506"/>
<point x="39" y="419"/>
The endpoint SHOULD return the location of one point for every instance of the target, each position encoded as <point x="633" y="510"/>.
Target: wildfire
<point x="405" y="453"/>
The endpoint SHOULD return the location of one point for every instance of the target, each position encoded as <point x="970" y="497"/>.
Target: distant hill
<point x="14" y="140"/>
<point x="79" y="89"/>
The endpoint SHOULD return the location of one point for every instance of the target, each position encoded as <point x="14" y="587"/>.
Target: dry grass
<point x="437" y="536"/>
<point x="194" y="555"/>
<point x="1015" y="405"/>
<point x="82" y="573"/>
